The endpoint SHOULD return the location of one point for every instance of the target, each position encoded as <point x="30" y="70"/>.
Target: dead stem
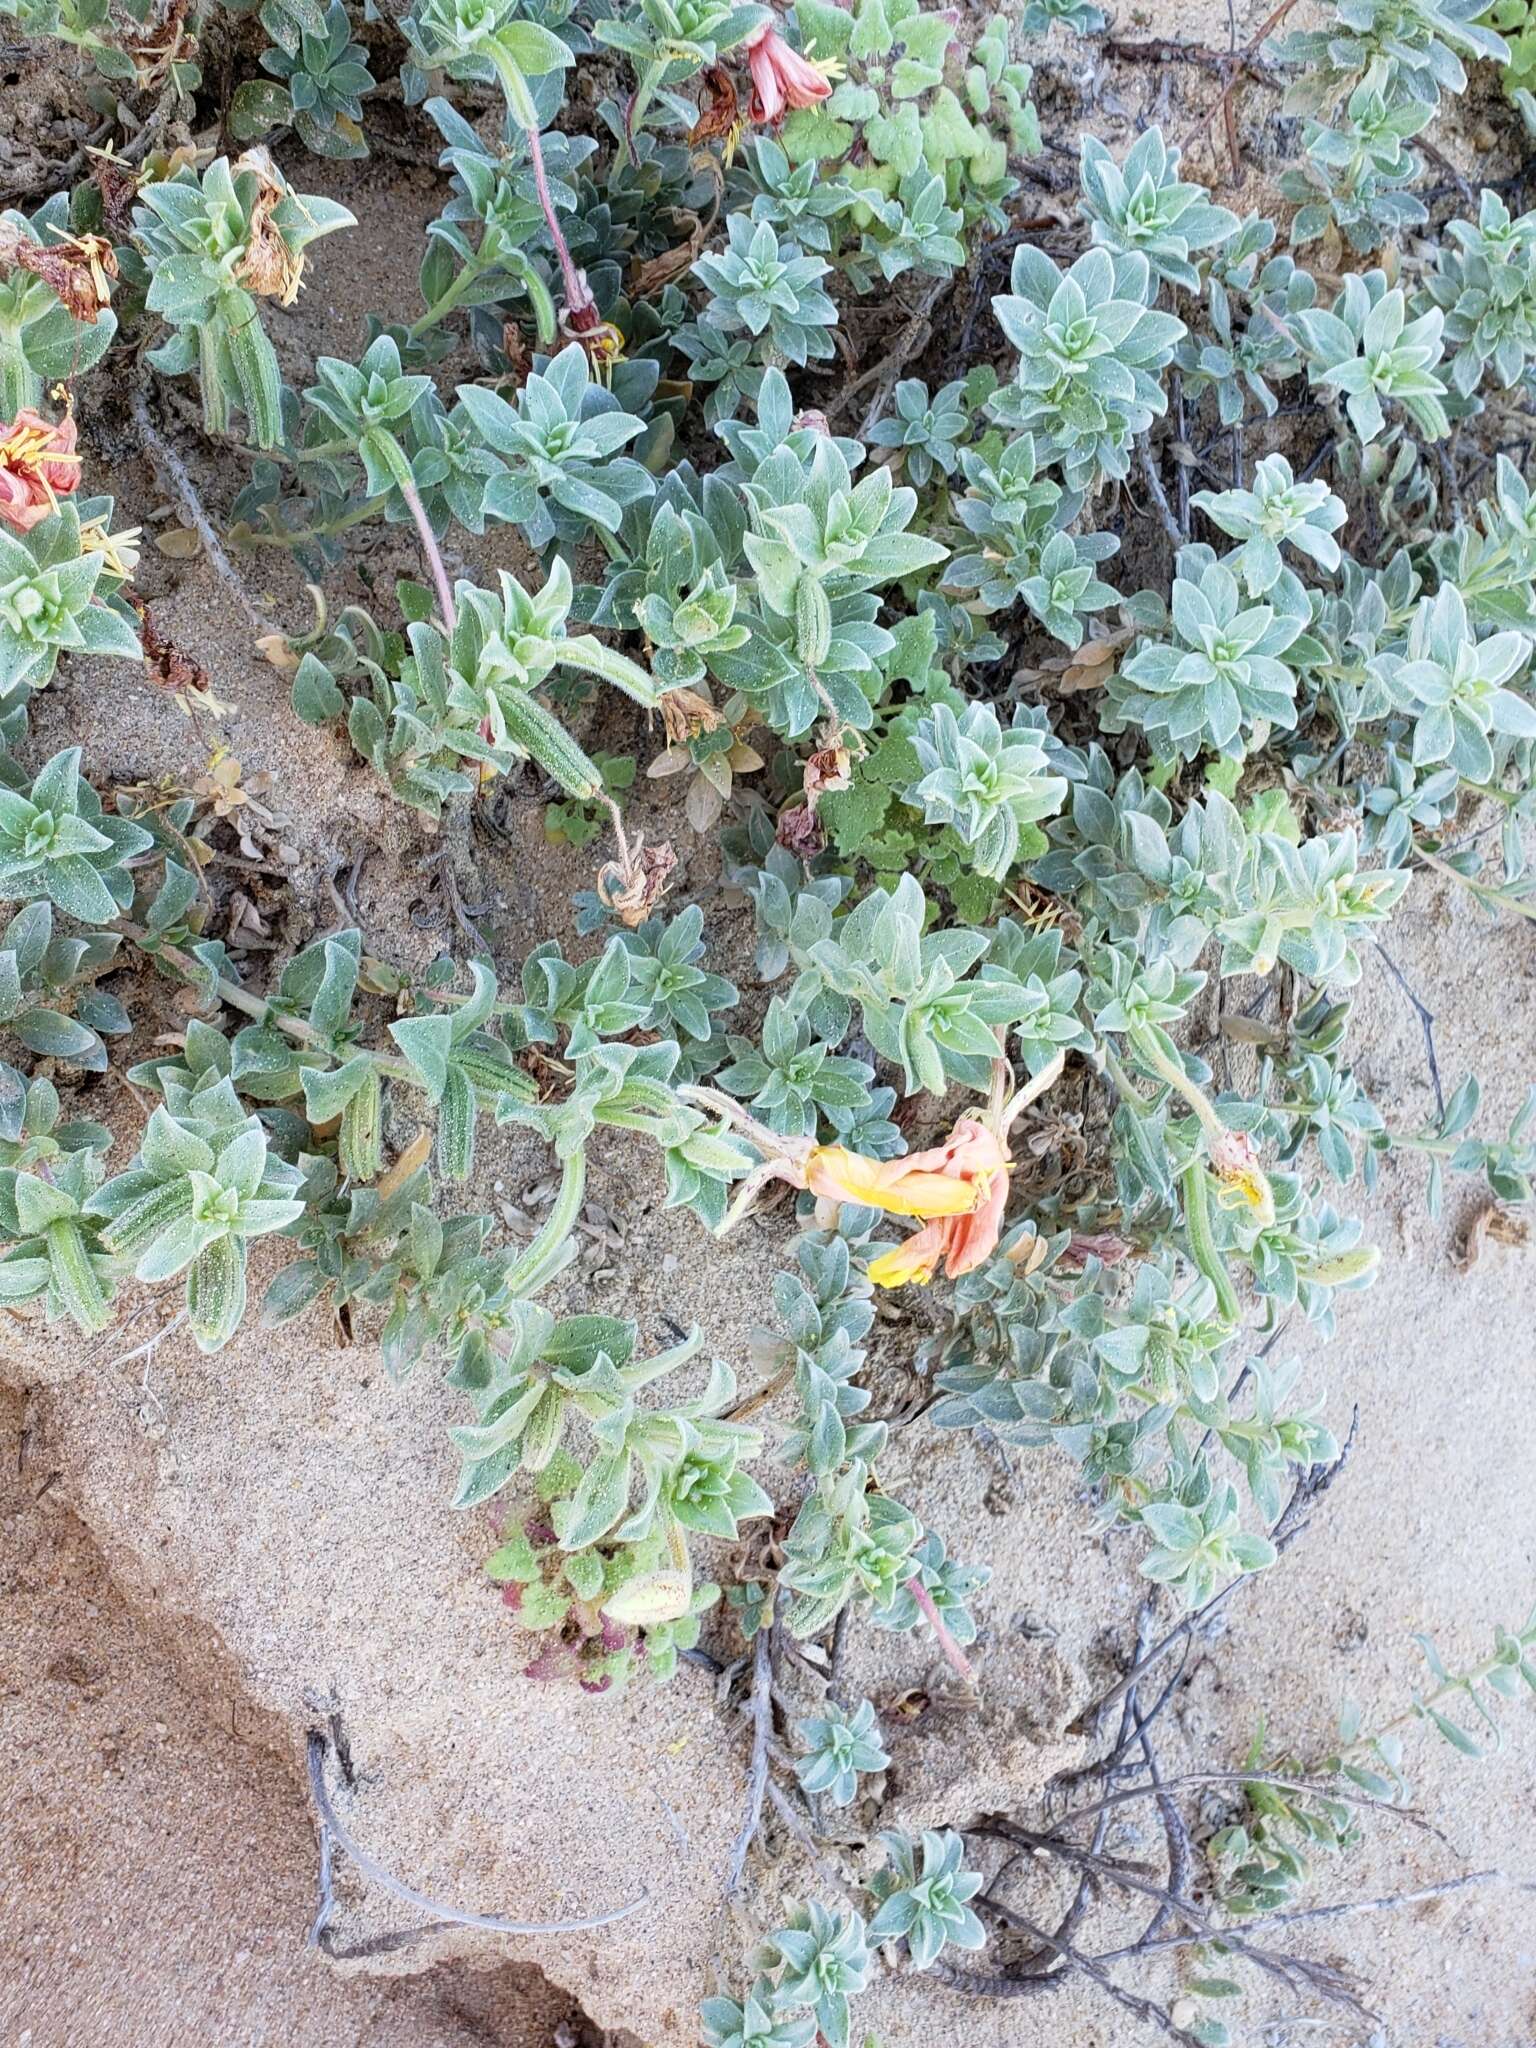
<point x="171" y="466"/>
<point x="1343" y="1910"/>
<point x="760" y="1707"/>
<point x="1154" y="483"/>
<point x="333" y="1831"/>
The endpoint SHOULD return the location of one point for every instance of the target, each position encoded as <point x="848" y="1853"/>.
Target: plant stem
<point x="1463" y="1682"/>
<point x="469" y="276"/>
<point x="1495" y="898"/>
<point x="325" y="530"/>
<point x="400" y="470"/>
<point x="516" y="265"/>
<point x="429" y="548"/>
<point x="580" y="306"/>
<point x="1171" y="1071"/>
<point x="634" y="114"/>
<point x="255" y="1007"/>
<point x="1506" y="797"/>
<point x="1202" y="1246"/>
<point x="954" y="1656"/>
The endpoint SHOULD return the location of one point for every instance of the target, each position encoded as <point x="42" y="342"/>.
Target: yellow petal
<point x="837" y="1174"/>
<point x="910" y="1264"/>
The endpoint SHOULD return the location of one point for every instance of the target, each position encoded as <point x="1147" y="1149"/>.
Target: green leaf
<point x="316" y="698"/>
<point x="427" y="1043"/>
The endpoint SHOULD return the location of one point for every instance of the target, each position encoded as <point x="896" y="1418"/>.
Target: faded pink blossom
<point x="781" y="78"/>
<point x="38" y="466"/>
<point x="974" y="1156"/>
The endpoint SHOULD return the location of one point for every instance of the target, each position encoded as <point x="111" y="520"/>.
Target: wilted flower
<point x="1242" y="1182"/>
<point x="632" y="888"/>
<point x="720" y="114"/>
<point x="166" y="664"/>
<point x="1107" y="1246"/>
<point x="828" y="769"/>
<point x="800" y="832"/>
<point x="269" y="267"/>
<point x="220" y="786"/>
<point x="77" y="269"/>
<point x="781" y="78"/>
<point x="38" y="466"/>
<point x="902" y="1187"/>
<point x="603" y="342"/>
<point x="687" y="713"/>
<point x="119" y="551"/>
<point x="118" y="183"/>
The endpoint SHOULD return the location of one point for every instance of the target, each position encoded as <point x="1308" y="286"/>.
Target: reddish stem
<point x="429" y="548"/>
<point x="954" y="1656"/>
<point x="580" y="306"/>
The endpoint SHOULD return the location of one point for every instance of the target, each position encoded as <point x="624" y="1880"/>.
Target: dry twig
<point x="333" y="1835"/>
<point x="760" y="1707"/>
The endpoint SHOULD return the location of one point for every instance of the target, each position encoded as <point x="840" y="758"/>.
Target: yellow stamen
<point x="118" y="551"/>
<point x="1247" y="1188"/>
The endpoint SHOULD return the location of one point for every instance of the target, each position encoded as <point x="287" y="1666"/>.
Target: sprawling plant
<point x="807" y="523"/>
<point x="1091" y="347"/>
<point x="213" y="246"/>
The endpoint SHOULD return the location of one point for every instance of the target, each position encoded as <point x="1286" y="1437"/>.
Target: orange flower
<point x="941" y="1182"/>
<point x="38" y="466"/>
<point x="973" y="1159"/>
<point x="781" y="78"/>
<point x="959" y="1189"/>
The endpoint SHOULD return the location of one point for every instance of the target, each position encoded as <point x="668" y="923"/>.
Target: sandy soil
<point x="263" y="1537"/>
<point x="156" y="1870"/>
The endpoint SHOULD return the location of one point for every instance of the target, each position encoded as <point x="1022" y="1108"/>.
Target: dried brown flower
<point x="827" y="770"/>
<point x="187" y="680"/>
<point x="687" y="713"/>
<point x="720" y="113"/>
<point x="633" y="891"/>
<point x="77" y="269"/>
<point x="800" y="832"/>
<point x="118" y="184"/>
<point x="269" y="268"/>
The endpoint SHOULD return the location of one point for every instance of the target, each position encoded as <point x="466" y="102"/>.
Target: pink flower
<point x="38" y="466"/>
<point x="781" y="78"/>
<point x="974" y="1158"/>
<point x="958" y="1189"/>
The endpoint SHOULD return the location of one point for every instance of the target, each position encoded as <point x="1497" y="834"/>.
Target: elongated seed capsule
<point x="74" y="1277"/>
<point x="360" y="1143"/>
<point x="540" y="734"/>
<point x="1202" y="1246"/>
<point x="813" y="623"/>
<point x="142" y="1221"/>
